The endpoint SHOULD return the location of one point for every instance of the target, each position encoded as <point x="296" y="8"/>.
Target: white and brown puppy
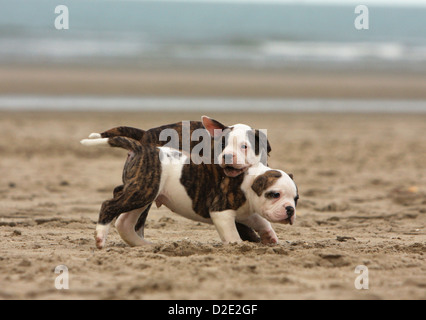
<point x="271" y="194"/>
<point x="160" y="174"/>
<point x="242" y="146"/>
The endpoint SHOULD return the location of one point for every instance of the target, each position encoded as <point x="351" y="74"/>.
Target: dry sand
<point x="362" y="182"/>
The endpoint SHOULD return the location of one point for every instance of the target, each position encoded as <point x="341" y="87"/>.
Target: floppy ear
<point x="291" y="176"/>
<point x="214" y="127"/>
<point x="262" y="137"/>
<point x="259" y="184"/>
<point x="265" y="180"/>
<point x="259" y="141"/>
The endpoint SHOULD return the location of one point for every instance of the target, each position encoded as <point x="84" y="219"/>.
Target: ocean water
<point x="257" y="35"/>
<point x="177" y="104"/>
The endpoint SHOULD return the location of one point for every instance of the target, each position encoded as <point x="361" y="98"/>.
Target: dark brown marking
<point x="141" y="180"/>
<point x="264" y="181"/>
<point x="247" y="234"/>
<point x="128" y="132"/>
<point x="209" y="189"/>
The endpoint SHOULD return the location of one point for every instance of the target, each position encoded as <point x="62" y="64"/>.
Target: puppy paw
<point x="101" y="235"/>
<point x="100" y="242"/>
<point x="268" y="237"/>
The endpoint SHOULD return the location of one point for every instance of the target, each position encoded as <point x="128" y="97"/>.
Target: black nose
<point x="228" y="158"/>
<point x="290" y="211"/>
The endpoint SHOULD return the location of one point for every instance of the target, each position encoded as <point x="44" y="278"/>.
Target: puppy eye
<point x="272" y="195"/>
<point x="244" y="146"/>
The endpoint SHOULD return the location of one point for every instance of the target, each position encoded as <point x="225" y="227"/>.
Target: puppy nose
<point x="290" y="211"/>
<point x="228" y="157"/>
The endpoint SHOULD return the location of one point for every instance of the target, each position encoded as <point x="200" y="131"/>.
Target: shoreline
<point x="209" y="82"/>
<point x="37" y="103"/>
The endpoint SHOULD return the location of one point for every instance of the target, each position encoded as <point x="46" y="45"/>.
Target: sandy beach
<point x="362" y="186"/>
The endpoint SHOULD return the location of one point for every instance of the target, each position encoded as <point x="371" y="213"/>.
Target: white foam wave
<point x="164" y="104"/>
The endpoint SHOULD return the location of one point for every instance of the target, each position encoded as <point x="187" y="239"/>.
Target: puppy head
<point x="275" y="196"/>
<point x="237" y="147"/>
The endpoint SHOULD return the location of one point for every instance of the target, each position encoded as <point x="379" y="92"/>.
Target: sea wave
<point x="84" y="50"/>
<point x="122" y="103"/>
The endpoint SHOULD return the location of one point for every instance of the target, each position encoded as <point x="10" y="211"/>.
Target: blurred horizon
<point x="239" y="48"/>
<point x="200" y="33"/>
<point x="321" y="2"/>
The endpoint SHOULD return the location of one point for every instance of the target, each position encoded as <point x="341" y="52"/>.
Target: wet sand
<point x="211" y="82"/>
<point x="362" y="183"/>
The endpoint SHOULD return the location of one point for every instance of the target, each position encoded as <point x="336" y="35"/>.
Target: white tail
<point x="95" y="142"/>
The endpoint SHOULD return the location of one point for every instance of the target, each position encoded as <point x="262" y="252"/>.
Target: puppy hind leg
<point x="111" y="209"/>
<point x="247" y="233"/>
<point x="125" y="225"/>
<point x="263" y="227"/>
<point x="140" y="225"/>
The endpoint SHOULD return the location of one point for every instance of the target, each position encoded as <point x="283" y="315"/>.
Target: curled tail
<point x="116" y="142"/>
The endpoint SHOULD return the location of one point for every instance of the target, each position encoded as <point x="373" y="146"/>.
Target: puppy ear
<point x="259" y="184"/>
<point x="264" y="181"/>
<point x="291" y="176"/>
<point x="269" y="149"/>
<point x="259" y="141"/>
<point x="214" y="127"/>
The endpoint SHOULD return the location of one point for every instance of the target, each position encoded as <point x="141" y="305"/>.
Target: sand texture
<point x="362" y="184"/>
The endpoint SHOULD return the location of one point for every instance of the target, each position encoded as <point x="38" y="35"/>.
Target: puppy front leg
<point x="263" y="227"/>
<point x="224" y="222"/>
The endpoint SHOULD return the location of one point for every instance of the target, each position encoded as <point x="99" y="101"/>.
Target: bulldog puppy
<point x="160" y="174"/>
<point x="271" y="193"/>
<point x="241" y="148"/>
<point x="235" y="157"/>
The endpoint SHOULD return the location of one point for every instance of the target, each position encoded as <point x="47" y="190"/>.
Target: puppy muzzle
<point x="232" y="168"/>
<point x="290" y="216"/>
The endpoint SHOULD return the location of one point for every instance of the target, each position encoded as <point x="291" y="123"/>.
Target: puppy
<point x="241" y="148"/>
<point x="192" y="190"/>
<point x="236" y="155"/>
